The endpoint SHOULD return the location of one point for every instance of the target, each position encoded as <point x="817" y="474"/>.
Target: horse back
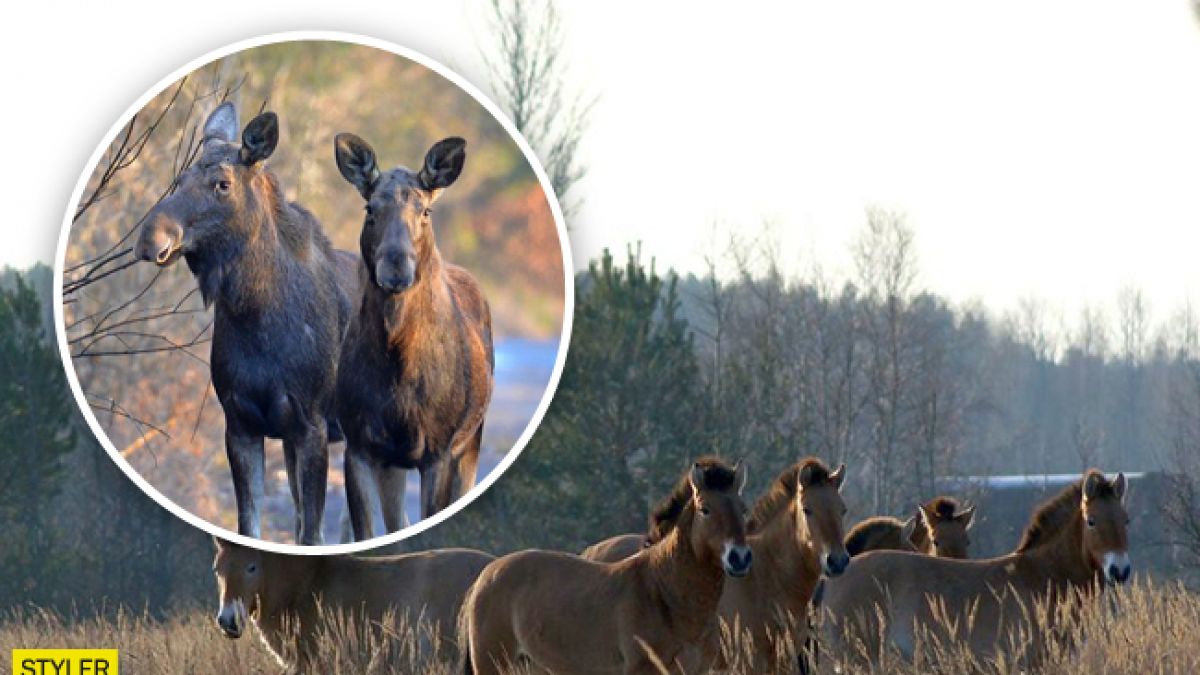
<point x="615" y="548"/>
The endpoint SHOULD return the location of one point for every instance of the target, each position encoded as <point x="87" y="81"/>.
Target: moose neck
<point x="689" y="586"/>
<point x="410" y="321"/>
<point x="245" y="271"/>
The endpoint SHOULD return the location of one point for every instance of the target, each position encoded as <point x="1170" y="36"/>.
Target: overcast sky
<point x="1038" y="149"/>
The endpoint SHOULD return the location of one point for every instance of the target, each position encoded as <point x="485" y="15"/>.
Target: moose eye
<point x="370" y="211"/>
<point x="251" y="568"/>
<point x="428" y="212"/>
<point x="1091" y="522"/>
<point x="223" y="186"/>
<point x="704" y="511"/>
<point x="807" y="511"/>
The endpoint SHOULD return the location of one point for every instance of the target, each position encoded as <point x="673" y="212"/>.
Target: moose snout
<point x="836" y="563"/>
<point x="737" y="560"/>
<point x="160" y="241"/>
<point x="395" y="270"/>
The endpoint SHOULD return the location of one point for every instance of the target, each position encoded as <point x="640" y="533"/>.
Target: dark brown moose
<point x="281" y="300"/>
<point x="416" y="370"/>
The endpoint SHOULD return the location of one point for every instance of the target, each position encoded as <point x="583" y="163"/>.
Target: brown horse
<point x="939" y="528"/>
<point x="284" y="596"/>
<point x="565" y="614"/>
<point x="1075" y="542"/>
<point x="416" y="369"/>
<point x="796" y="535"/>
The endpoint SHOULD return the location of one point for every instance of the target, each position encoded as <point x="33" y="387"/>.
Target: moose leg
<point x="466" y="463"/>
<point x="312" y="469"/>
<point x="392" y="483"/>
<point x="358" y="494"/>
<point x="289" y="459"/>
<point x="245" y="455"/>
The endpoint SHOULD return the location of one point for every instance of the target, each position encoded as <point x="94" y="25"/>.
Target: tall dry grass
<point x="1146" y="628"/>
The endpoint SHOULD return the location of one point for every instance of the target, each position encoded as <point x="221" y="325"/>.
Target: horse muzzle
<point x="835" y="563"/>
<point x="737" y="560"/>
<point x="1117" y="568"/>
<point x="232" y="619"/>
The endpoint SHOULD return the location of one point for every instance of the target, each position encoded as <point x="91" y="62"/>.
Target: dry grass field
<point x="1142" y="629"/>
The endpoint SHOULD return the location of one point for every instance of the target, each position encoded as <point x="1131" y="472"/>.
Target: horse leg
<point x="392" y="483"/>
<point x="245" y="453"/>
<point x="312" y="469"/>
<point x="358" y="494"/>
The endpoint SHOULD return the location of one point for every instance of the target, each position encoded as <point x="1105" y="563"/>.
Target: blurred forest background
<point x="139" y="335"/>
<point x="761" y="358"/>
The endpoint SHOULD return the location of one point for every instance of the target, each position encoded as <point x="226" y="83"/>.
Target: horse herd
<point x="389" y="349"/>
<point x="779" y="575"/>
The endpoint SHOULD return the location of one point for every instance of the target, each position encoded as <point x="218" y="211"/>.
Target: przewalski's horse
<point x="415" y="376"/>
<point x="1075" y="542"/>
<point x="287" y="597"/>
<point x="281" y="301"/>
<point x="564" y="614"/>
<point x="939" y="528"/>
<point x="795" y="531"/>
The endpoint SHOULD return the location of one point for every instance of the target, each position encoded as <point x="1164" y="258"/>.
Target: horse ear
<point x="356" y="160"/>
<point x="696" y="478"/>
<point x="739" y="476"/>
<point x="927" y="515"/>
<point x="443" y="163"/>
<point x="222" y="123"/>
<point x="1091" y="484"/>
<point x="838" y="477"/>
<point x="1119" y="485"/>
<point x="259" y="139"/>
<point x="967" y="517"/>
<point x="908" y="530"/>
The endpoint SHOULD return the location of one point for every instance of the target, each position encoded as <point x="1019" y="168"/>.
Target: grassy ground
<point x="1147" y="629"/>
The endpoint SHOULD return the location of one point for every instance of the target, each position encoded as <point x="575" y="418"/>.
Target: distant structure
<point x="1006" y="502"/>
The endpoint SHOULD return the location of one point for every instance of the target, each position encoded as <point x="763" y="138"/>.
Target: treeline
<point x="78" y="535"/>
<point x="899" y="383"/>
<point x="896" y="381"/>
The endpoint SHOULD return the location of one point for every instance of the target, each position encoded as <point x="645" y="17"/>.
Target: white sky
<point x="1038" y="150"/>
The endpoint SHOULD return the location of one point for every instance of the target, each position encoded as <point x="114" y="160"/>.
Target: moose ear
<point x="1119" y="485"/>
<point x="1091" y="485"/>
<point x="218" y="544"/>
<point x="222" y="124"/>
<point x="443" y="163"/>
<point x="967" y="517"/>
<point x="260" y="138"/>
<point x="838" y="477"/>
<point x="356" y="161"/>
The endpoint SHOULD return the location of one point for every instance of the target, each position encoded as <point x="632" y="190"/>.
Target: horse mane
<point x="809" y="472"/>
<point x="717" y="476"/>
<point x="1054" y="514"/>
<point x="943" y="507"/>
<point x="860" y="535"/>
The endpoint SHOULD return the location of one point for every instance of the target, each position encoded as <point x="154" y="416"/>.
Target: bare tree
<point x="530" y="78"/>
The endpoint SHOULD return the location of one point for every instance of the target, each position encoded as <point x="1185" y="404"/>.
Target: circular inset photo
<point x="313" y="290"/>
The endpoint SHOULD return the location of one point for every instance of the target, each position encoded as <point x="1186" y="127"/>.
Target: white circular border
<point x="568" y="307"/>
